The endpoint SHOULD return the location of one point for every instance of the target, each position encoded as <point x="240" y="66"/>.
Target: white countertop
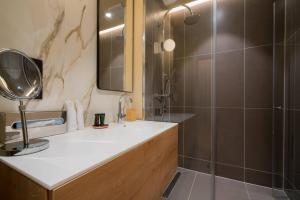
<point x="75" y="153"/>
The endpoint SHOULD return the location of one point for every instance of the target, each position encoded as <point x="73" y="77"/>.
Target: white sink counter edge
<point x="76" y="153"/>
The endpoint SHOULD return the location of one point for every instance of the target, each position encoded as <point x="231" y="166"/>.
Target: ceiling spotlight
<point x="108" y="15"/>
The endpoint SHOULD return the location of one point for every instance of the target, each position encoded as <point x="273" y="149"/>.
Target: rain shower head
<point x="191" y="20"/>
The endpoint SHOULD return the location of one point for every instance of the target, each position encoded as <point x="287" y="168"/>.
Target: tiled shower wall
<point x="244" y="86"/>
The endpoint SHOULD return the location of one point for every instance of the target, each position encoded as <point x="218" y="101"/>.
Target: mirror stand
<point x="26" y="146"/>
<point x="22" y="109"/>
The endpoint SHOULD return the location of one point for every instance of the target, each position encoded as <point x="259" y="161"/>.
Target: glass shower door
<point x="291" y="167"/>
<point x="179" y="84"/>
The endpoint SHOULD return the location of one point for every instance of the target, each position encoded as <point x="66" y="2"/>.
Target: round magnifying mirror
<point x="20" y="79"/>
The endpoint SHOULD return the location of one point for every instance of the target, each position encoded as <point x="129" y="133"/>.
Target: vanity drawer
<point x="140" y="174"/>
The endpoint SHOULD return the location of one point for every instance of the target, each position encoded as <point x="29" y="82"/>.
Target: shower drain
<point x="171" y="185"/>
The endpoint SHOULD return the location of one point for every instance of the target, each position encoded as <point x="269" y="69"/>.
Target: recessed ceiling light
<point x="108" y="15"/>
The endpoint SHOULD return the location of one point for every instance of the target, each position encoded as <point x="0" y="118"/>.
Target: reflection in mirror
<point x="18" y="82"/>
<point x="115" y="45"/>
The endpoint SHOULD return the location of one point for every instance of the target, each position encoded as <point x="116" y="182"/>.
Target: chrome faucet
<point x="121" y="110"/>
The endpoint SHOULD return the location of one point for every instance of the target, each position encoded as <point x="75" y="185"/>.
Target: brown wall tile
<point x="259" y="77"/>
<point x="232" y="172"/>
<point x="180" y="138"/>
<point x="229" y="79"/>
<point x="278" y="138"/>
<point x="197" y="165"/>
<point x="180" y="161"/>
<point x="258" y="178"/>
<point x="230" y="25"/>
<point x="279" y="20"/>
<point x="197" y="134"/>
<point x="178" y="82"/>
<point x="292" y="17"/>
<point x="197" y="86"/>
<point x="279" y="75"/>
<point x="259" y="22"/>
<point x="258" y="139"/>
<point x="230" y="136"/>
<point x="177" y="25"/>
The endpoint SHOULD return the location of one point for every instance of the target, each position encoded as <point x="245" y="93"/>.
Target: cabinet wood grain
<point x="15" y="186"/>
<point x="139" y="174"/>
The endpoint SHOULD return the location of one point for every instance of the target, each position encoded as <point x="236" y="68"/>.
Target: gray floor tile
<point x="279" y="195"/>
<point x="183" y="186"/>
<point x="227" y="189"/>
<point x="258" y="192"/>
<point x="197" y="186"/>
<point x="201" y="188"/>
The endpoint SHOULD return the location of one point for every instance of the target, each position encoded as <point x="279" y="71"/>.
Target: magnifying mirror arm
<point x="22" y="109"/>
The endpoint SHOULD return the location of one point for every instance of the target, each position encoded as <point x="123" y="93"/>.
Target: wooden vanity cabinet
<point x="141" y="173"/>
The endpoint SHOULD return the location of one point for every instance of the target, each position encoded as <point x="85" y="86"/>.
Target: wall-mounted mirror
<point x="115" y="45"/>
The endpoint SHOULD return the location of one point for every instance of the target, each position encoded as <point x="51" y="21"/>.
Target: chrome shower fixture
<point x="169" y="44"/>
<point x="189" y="20"/>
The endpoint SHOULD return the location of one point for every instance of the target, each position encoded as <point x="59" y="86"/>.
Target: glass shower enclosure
<point x="222" y="70"/>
